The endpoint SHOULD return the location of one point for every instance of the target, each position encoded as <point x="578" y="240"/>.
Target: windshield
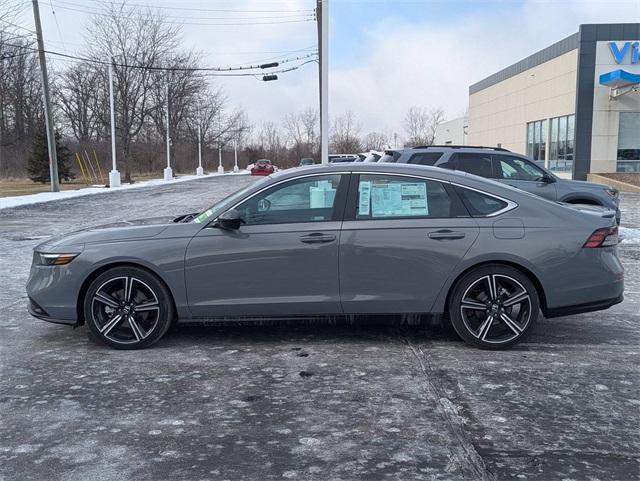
<point x="226" y="202"/>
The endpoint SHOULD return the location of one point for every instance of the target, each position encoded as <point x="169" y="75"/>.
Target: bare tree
<point x="375" y="141"/>
<point x="135" y="41"/>
<point x="302" y="132"/>
<point x="345" y="134"/>
<point x="80" y="96"/>
<point x="420" y="125"/>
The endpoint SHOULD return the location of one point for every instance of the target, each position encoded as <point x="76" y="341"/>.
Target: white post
<point x="220" y="168"/>
<point x="168" y="172"/>
<point x="235" y="157"/>
<point x="114" y="175"/>
<point x="324" y="87"/>
<point x="199" y="170"/>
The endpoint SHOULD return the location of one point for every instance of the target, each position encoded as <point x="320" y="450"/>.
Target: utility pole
<point x="220" y="168"/>
<point x="168" y="172"/>
<point x="51" y="136"/>
<point x="199" y="170"/>
<point x="322" y="16"/>
<point x="114" y="175"/>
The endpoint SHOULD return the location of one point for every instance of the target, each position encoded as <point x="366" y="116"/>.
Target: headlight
<point x="50" y="259"/>
<point x="613" y="193"/>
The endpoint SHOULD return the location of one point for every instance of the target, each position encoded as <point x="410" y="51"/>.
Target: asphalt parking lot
<point x="308" y="401"/>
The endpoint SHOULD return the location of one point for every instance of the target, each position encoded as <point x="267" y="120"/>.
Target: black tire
<point x="491" y="321"/>
<point x="128" y="308"/>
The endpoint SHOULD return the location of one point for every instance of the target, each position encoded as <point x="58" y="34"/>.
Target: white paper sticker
<point x="364" y="202"/>
<point x="399" y="199"/>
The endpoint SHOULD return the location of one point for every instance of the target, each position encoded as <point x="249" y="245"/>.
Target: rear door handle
<point x="317" y="238"/>
<point x="446" y="235"/>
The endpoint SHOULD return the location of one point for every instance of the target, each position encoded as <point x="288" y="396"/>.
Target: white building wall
<point x="499" y="113"/>
<point x="452" y="132"/>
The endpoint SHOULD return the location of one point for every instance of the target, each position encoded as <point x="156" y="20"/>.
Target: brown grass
<point x="22" y="186"/>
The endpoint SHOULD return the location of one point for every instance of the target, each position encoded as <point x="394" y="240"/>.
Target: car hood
<point x="587" y="185"/>
<point x="129" y="230"/>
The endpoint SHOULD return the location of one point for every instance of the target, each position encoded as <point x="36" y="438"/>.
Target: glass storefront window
<point x="561" y="143"/>
<point x="629" y="142"/>
<point x="537" y="139"/>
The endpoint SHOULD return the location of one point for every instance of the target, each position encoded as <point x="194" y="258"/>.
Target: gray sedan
<point x="343" y="239"/>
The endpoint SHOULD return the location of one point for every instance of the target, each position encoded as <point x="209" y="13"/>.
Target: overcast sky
<point x="385" y="55"/>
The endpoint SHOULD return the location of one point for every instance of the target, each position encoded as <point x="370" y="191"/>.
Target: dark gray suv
<point x="511" y="168"/>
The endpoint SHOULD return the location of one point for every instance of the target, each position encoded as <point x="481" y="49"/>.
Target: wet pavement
<point x="375" y="399"/>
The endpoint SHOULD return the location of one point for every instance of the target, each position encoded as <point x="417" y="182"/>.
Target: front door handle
<point x="317" y="238"/>
<point x="446" y="235"/>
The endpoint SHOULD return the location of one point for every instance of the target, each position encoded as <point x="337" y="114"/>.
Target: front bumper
<point x="39" y="313"/>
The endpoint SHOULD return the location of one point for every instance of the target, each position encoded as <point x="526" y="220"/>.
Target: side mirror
<point x="229" y="220"/>
<point x="548" y="179"/>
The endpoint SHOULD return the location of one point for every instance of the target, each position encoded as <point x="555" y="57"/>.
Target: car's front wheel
<point x="127" y="308"/>
<point x="494" y="306"/>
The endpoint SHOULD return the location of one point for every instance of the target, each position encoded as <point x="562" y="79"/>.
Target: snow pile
<point x="6" y="202"/>
<point x="629" y="235"/>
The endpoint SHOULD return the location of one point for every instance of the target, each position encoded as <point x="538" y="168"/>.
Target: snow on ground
<point x="29" y="199"/>
<point x="630" y="235"/>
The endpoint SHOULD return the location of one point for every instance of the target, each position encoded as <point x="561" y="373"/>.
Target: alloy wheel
<point x="496" y="308"/>
<point x="125" y="310"/>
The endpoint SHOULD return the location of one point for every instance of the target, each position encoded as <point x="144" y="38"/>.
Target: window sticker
<point x="203" y="217"/>
<point x="399" y="199"/>
<point x="321" y="195"/>
<point x="364" y="202"/>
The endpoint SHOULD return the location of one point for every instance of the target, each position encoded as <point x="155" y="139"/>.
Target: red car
<point x="262" y="167"/>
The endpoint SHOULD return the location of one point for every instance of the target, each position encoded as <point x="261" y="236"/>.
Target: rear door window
<point x="425" y="158"/>
<point x="394" y="197"/>
<point x="473" y="163"/>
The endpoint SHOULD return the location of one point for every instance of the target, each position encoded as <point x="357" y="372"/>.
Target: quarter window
<point x="389" y="197"/>
<point x="425" y="158"/>
<point x="479" y="204"/>
<point x="514" y="168"/>
<point x="310" y="199"/>
<point x="477" y="164"/>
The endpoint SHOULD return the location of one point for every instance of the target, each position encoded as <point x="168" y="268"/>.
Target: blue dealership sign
<point x="630" y="49"/>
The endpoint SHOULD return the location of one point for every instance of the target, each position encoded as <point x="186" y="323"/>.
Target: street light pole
<point x="220" y="168"/>
<point x="235" y="157"/>
<point x="199" y="170"/>
<point x="322" y="13"/>
<point x="51" y="136"/>
<point x="168" y="172"/>
<point x="114" y="175"/>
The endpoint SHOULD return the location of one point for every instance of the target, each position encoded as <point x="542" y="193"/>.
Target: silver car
<point x="342" y="239"/>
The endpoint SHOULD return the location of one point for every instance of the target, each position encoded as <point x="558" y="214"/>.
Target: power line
<point x="17" y="26"/>
<point x="168" y="69"/>
<point x="286" y="14"/>
<point x="163" y="7"/>
<point x="302" y="19"/>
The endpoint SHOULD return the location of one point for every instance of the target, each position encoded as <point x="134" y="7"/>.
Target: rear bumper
<point x="582" y="308"/>
<point x="261" y="172"/>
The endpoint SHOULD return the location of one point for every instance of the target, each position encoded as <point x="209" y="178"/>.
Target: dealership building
<point x="574" y="106"/>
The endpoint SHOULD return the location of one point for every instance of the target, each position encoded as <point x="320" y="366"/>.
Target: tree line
<point x="150" y="69"/>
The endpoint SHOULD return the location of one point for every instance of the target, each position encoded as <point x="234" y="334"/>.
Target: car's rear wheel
<point x="494" y="306"/>
<point x="128" y="308"/>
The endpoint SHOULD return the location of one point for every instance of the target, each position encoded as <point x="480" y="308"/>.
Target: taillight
<point x="605" y="237"/>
